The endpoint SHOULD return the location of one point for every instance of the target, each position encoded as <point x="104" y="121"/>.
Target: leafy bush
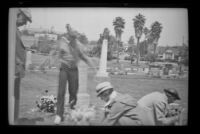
<point x="127" y="58"/>
<point x="151" y="57"/>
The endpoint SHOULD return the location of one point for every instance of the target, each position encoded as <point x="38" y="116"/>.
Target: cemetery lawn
<point x="35" y="83"/>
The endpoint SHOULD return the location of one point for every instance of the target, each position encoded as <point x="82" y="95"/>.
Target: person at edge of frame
<point x="158" y="103"/>
<point x="23" y="16"/>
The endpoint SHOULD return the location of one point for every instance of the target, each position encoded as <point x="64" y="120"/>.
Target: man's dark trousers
<point x="70" y="75"/>
<point x="17" y="98"/>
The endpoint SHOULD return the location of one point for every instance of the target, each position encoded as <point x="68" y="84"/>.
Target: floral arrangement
<point x="47" y="103"/>
<point x="174" y="109"/>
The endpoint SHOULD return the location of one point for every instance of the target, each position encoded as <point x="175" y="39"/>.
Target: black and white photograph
<point x="98" y="66"/>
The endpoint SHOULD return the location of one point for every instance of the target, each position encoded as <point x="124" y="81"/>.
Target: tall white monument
<point x="102" y="72"/>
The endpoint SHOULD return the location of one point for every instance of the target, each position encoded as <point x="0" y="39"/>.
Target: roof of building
<point x="162" y="49"/>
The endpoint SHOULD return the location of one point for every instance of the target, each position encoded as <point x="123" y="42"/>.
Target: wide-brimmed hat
<point x="172" y="92"/>
<point x="27" y="13"/>
<point x="101" y="87"/>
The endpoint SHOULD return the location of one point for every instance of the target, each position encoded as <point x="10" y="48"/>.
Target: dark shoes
<point x="72" y="107"/>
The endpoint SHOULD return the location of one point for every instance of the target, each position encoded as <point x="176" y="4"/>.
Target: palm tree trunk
<point x="132" y="52"/>
<point x="118" y="41"/>
<point x="154" y="48"/>
<point x="117" y="51"/>
<point x="138" y="52"/>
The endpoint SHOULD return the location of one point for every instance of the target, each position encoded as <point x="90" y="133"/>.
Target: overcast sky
<point x="92" y="21"/>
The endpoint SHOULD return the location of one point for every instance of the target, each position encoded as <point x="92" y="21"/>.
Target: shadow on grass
<point x="27" y="121"/>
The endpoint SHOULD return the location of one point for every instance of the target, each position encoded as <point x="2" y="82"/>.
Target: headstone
<point x="127" y="69"/>
<point x="140" y="70"/>
<point x="146" y="70"/>
<point x="28" y="59"/>
<point x="155" y="71"/>
<point x="83" y="96"/>
<point x="165" y="71"/>
<point x="102" y="72"/>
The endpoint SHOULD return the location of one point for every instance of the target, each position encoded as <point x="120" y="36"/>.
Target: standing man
<point x="23" y="16"/>
<point x="121" y="109"/>
<point x="70" y="53"/>
<point x="158" y="104"/>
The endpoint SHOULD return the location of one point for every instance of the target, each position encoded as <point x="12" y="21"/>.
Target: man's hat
<point x="101" y="87"/>
<point x="27" y="13"/>
<point x="172" y="92"/>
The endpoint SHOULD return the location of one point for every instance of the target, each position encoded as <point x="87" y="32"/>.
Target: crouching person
<point x="121" y="109"/>
<point x="158" y="104"/>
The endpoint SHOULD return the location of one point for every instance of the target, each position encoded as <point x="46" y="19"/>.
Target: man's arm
<point x="114" y="114"/>
<point x="160" y="113"/>
<point x="83" y="56"/>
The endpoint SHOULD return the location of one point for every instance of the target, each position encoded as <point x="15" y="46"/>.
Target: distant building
<point x="37" y="30"/>
<point x="37" y="35"/>
<point x="42" y="32"/>
<point x="170" y="53"/>
<point x="52" y="36"/>
<point x="49" y="36"/>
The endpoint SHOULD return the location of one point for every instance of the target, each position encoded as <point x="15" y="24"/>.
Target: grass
<point x="35" y="83"/>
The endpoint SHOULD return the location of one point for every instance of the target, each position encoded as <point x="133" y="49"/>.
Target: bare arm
<point x="83" y="56"/>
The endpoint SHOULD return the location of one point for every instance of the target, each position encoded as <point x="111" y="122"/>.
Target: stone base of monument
<point x="100" y="79"/>
<point x="102" y="74"/>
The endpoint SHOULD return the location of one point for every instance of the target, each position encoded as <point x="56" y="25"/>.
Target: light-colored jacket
<point x="70" y="53"/>
<point x="123" y="110"/>
<point x="157" y="104"/>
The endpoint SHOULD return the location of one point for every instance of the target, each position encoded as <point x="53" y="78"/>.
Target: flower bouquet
<point x="176" y="110"/>
<point x="47" y="103"/>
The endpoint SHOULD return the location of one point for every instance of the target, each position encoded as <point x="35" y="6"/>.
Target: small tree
<point x="131" y="40"/>
<point x="83" y="39"/>
<point x="151" y="57"/>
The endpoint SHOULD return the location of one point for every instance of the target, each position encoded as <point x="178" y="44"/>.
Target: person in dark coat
<point x="23" y="16"/>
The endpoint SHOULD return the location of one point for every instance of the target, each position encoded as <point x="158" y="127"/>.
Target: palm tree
<point x="118" y="24"/>
<point x="156" y="29"/>
<point x="138" y="23"/>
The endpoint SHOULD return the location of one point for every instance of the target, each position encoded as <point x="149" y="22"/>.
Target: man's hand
<point x="18" y="61"/>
